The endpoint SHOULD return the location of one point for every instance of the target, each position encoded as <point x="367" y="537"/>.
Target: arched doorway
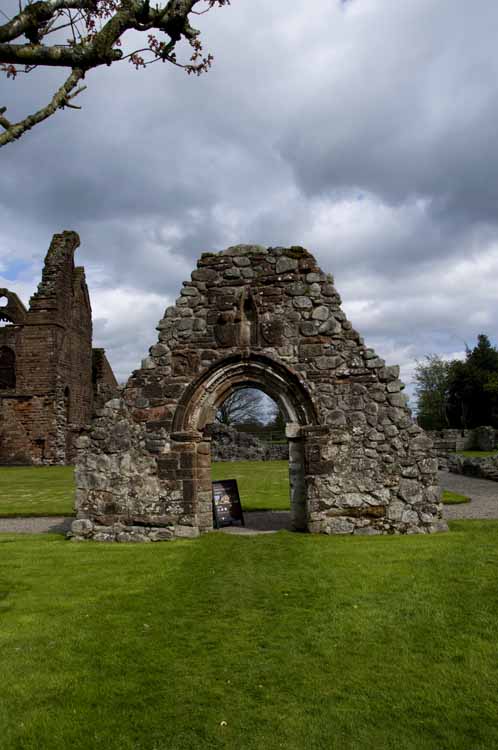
<point x="249" y="445"/>
<point x="197" y="409"/>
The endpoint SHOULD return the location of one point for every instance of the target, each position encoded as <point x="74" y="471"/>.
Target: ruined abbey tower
<point x="49" y="374"/>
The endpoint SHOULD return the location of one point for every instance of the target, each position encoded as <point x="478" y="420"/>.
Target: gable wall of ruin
<point x="267" y="318"/>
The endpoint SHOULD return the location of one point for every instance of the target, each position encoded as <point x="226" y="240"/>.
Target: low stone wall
<point x="228" y="444"/>
<point x="485" y="438"/>
<point x="449" y="441"/>
<point x="82" y="529"/>
<point x="483" y="468"/>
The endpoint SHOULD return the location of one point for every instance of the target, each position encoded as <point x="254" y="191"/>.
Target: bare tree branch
<point x="35" y="15"/>
<point x="57" y="56"/>
<point x="59" y="100"/>
<point x="244" y="405"/>
<point x="97" y="28"/>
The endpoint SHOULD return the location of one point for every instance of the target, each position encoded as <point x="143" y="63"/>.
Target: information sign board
<point x="227" y="509"/>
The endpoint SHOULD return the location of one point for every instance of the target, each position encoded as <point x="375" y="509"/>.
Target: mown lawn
<point x="478" y="454"/>
<point x="36" y="491"/>
<point x="278" y="641"/>
<point x="454" y="498"/>
<point x="263" y="485"/>
<point x="49" y="490"/>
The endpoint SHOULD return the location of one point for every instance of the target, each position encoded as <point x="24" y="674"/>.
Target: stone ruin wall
<point x="105" y="385"/>
<point x="49" y="398"/>
<point x="228" y="444"/>
<point x="479" y="467"/>
<point x="484" y="438"/>
<point x="448" y="441"/>
<point x="267" y="318"/>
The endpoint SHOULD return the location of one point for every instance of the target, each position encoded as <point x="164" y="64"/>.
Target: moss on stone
<point x="296" y="251"/>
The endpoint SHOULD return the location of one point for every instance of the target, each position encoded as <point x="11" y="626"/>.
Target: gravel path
<point x="483" y="494"/>
<point x="258" y="522"/>
<point x="36" y="525"/>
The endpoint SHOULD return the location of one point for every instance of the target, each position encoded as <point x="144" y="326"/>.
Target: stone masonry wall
<point x="482" y="468"/>
<point x="447" y="442"/>
<point x="227" y="444"/>
<point x="268" y="318"/>
<point x="49" y="397"/>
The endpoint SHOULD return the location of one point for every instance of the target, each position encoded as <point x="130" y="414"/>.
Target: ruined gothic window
<point x="4" y="318"/>
<point x="7" y="368"/>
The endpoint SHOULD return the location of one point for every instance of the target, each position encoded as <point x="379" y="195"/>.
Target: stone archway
<point x="198" y="406"/>
<point x="270" y="318"/>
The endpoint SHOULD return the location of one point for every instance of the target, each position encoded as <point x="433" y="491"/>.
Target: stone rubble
<point x="228" y="444"/>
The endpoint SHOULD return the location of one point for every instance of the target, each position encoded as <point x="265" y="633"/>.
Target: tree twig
<point x="59" y="100"/>
<point x="97" y="28"/>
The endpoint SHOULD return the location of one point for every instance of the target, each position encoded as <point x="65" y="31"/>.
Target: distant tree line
<point x="460" y="394"/>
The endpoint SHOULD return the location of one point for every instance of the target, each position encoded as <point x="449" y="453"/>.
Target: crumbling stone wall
<point x="485" y="438"/>
<point x="270" y="319"/>
<point x="105" y="385"/>
<point x="447" y="442"/>
<point x="227" y="444"/>
<point x="482" y="468"/>
<point x="50" y="396"/>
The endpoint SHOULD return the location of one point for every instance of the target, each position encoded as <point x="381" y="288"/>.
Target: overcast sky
<point x="365" y="131"/>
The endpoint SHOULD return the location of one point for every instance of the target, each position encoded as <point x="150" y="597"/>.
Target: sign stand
<point x="227" y="508"/>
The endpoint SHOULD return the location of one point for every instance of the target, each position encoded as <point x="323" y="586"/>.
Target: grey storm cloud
<point x="410" y="116"/>
<point x="364" y="130"/>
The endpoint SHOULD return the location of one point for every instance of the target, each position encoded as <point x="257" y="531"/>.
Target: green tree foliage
<point x="473" y="387"/>
<point x="459" y="394"/>
<point x="432" y="392"/>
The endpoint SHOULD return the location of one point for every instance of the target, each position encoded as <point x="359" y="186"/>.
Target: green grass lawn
<point x="263" y="485"/>
<point x="36" y="491"/>
<point x="278" y="641"/>
<point x="49" y="491"/>
<point x="477" y="454"/>
<point x="454" y="498"/>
